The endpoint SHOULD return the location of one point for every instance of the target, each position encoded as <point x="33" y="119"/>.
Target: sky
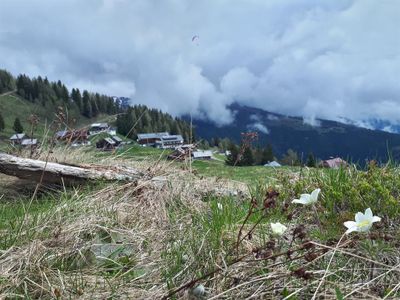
<point x="336" y="60"/>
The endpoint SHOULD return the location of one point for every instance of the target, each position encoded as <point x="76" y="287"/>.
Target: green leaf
<point x="339" y="295"/>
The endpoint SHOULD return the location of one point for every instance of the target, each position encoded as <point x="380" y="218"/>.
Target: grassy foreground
<point x="199" y="237"/>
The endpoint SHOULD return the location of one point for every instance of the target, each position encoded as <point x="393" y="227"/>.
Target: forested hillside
<point x="141" y="119"/>
<point x="22" y="96"/>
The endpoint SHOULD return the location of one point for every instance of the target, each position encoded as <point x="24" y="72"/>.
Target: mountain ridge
<point x="328" y="139"/>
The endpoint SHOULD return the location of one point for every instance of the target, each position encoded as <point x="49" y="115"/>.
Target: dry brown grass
<point x="130" y="214"/>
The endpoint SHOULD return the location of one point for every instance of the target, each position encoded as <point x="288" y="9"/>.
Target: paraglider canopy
<point x="195" y="37"/>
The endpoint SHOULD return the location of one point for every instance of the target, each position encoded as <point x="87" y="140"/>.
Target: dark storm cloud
<point x="318" y="59"/>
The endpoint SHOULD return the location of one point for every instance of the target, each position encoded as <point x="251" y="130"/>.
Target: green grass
<point x="12" y="107"/>
<point x="139" y="153"/>
<point x="250" y="174"/>
<point x="209" y="241"/>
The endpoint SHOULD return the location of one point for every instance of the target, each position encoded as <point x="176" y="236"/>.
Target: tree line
<point x="249" y="155"/>
<point x="244" y="155"/>
<point x="53" y="93"/>
<point x="41" y="90"/>
<point x="141" y="119"/>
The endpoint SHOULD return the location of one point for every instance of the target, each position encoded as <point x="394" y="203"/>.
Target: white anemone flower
<point x="363" y="222"/>
<point x="307" y="199"/>
<point x="219" y="205"/>
<point x="278" y="228"/>
<point x="199" y="290"/>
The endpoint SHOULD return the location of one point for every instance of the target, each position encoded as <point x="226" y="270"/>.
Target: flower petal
<point x="368" y="213"/>
<point x="350" y="224"/>
<point x="301" y="201"/>
<point x="305" y="197"/>
<point x="376" y="219"/>
<point x="352" y="229"/>
<point x="359" y="217"/>
<point x="314" y="194"/>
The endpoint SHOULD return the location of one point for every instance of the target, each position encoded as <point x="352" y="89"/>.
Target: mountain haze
<point x="322" y="137"/>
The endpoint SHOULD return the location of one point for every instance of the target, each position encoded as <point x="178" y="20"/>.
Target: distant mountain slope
<point x="12" y="106"/>
<point x="329" y="138"/>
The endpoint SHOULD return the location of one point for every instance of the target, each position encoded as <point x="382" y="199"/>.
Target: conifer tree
<point x="311" y="160"/>
<point x="267" y="155"/>
<point x="86" y="105"/>
<point x="247" y="159"/>
<point x="18" y="126"/>
<point x="232" y="158"/>
<point x="2" y="124"/>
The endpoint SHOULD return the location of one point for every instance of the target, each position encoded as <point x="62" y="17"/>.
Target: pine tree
<point x="232" y="158"/>
<point x="257" y="155"/>
<point x="2" y="124"/>
<point x="77" y="98"/>
<point x="86" y="105"/>
<point x="247" y="159"/>
<point x="311" y="160"/>
<point x="18" y="126"/>
<point x="267" y="155"/>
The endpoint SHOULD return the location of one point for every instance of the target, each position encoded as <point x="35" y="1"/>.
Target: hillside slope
<point x="13" y="106"/>
<point x="329" y="138"/>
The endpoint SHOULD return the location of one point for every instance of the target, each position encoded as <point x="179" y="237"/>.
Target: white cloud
<point x="312" y="121"/>
<point x="316" y="59"/>
<point x="259" y="127"/>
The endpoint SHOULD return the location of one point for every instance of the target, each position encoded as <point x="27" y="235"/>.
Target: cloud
<point x="259" y="127"/>
<point x="312" y="121"/>
<point x="389" y="129"/>
<point x="257" y="124"/>
<point x="315" y="59"/>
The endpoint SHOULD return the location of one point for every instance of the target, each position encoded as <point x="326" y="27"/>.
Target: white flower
<point x="307" y="199"/>
<point x="363" y="222"/>
<point x="278" y="228"/>
<point x="219" y="205"/>
<point x="199" y="290"/>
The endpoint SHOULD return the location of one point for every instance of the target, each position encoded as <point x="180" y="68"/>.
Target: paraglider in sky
<point x="195" y="37"/>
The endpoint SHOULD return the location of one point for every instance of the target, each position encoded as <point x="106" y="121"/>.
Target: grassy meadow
<point x="204" y="234"/>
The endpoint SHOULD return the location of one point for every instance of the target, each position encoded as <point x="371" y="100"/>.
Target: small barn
<point x="106" y="144"/>
<point x="98" y="127"/>
<point x="73" y="136"/>
<point x="182" y="152"/>
<point x="334" y="163"/>
<point x="179" y="154"/>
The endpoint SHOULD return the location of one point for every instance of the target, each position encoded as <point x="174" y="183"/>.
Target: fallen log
<point x="55" y="173"/>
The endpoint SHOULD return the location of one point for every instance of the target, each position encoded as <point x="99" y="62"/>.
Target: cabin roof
<point x="117" y="138"/>
<point x="28" y="142"/>
<point x="109" y="141"/>
<point x="102" y="125"/>
<point x="167" y="138"/>
<point x="17" y="136"/>
<point x="200" y="154"/>
<point x="153" y="135"/>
